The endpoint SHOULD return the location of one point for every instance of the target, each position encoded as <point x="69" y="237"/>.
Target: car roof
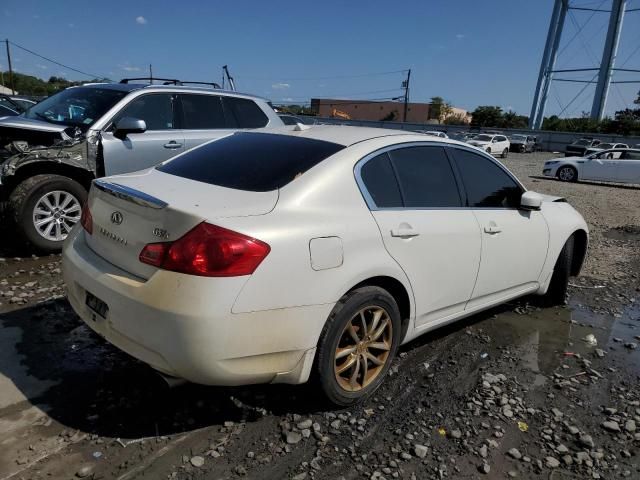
<point x="348" y="135"/>
<point x="130" y="87"/>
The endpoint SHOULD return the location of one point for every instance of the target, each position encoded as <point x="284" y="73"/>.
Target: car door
<point x="599" y="167"/>
<point x="514" y="241"/>
<point x="629" y="167"/>
<point x="414" y="197"/>
<point x="158" y="143"/>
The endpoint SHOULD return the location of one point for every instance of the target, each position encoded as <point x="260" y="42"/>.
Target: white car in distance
<point x="617" y="165"/>
<point x="493" y="144"/>
<point x="435" y="133"/>
<point x="607" y="146"/>
<point x="268" y="258"/>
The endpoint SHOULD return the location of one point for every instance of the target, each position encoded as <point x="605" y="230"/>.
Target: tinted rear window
<point x="257" y="162"/>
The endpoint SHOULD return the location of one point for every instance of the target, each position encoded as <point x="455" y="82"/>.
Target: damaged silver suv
<point x="50" y="154"/>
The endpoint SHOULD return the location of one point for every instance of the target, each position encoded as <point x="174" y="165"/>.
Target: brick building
<point x="376" y="111"/>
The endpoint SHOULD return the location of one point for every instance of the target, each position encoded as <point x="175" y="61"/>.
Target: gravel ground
<point x="513" y="392"/>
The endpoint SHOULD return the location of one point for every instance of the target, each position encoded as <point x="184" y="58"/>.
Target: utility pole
<point x="608" y="59"/>
<point x="13" y="91"/>
<point x="405" y="85"/>
<point x="232" y="84"/>
<point x="150" y="74"/>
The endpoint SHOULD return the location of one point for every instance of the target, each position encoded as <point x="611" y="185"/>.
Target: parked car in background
<point x="578" y="147"/>
<point x="523" y="143"/>
<point x="289" y="119"/>
<point x="434" y="133"/>
<point x="490" y="143"/>
<point x="9" y="106"/>
<point x="217" y="225"/>
<point x="616" y="165"/>
<point x="24" y="102"/>
<point x="607" y="146"/>
<point x="59" y="145"/>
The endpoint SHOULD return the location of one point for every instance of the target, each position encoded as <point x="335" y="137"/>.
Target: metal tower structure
<point x="603" y="73"/>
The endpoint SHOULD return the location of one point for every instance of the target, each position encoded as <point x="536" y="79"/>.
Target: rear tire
<point x="567" y="174"/>
<point x="344" y="368"/>
<point x="34" y="202"/>
<point x="505" y="153"/>
<point x="557" y="292"/>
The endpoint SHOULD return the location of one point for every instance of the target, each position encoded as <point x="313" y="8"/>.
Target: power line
<point x="325" y="78"/>
<point x="90" y="75"/>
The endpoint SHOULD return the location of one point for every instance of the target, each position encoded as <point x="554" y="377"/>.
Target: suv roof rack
<point x="169" y="81"/>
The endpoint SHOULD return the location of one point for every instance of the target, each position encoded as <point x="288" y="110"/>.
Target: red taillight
<point x="208" y="251"/>
<point x="86" y="220"/>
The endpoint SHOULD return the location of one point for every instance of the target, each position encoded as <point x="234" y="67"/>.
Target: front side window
<point x="155" y="109"/>
<point x="487" y="184"/>
<point x="380" y="181"/>
<point x="202" y="112"/>
<point x="245" y="112"/>
<point x="425" y="177"/>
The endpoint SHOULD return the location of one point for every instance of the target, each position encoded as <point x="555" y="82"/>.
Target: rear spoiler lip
<point x="130" y="194"/>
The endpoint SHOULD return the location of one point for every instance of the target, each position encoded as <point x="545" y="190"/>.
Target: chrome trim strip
<point x="130" y="194"/>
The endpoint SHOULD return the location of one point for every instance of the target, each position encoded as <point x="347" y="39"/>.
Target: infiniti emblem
<point x="116" y="217"/>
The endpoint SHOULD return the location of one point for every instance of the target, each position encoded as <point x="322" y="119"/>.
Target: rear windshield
<point x="257" y="162"/>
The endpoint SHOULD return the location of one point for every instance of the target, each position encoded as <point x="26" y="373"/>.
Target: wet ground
<point x="518" y="391"/>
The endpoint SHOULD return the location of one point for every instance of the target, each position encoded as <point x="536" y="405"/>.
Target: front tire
<point x="567" y="174"/>
<point x="557" y="291"/>
<point x="357" y="345"/>
<point x="488" y="150"/>
<point x="45" y="208"/>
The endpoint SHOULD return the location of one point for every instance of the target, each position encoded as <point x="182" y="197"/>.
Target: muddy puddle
<point x="546" y="338"/>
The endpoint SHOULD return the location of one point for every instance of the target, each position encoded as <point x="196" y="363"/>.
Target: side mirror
<point x="127" y="125"/>
<point x="530" y="201"/>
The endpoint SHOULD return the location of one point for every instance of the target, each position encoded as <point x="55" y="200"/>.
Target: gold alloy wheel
<point x="363" y="348"/>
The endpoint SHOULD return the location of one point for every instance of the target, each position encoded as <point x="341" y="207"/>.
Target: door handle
<point x="492" y="229"/>
<point x="404" y="232"/>
<point x="172" y="145"/>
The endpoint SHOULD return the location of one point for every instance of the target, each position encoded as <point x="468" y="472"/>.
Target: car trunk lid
<point x="131" y="211"/>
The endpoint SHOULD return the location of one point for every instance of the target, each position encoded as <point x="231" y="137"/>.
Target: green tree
<point x="511" y="119"/>
<point x="487" y="116"/>
<point x="439" y="109"/>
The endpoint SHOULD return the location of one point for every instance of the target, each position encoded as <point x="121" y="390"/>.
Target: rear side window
<point x="257" y="162"/>
<point x="380" y="181"/>
<point x="425" y="177"/>
<point x="202" y="112"/>
<point x="487" y="185"/>
<point x="245" y="112"/>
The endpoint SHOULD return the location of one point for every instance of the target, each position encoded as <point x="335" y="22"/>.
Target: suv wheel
<point x="505" y="153"/>
<point x="45" y="208"/>
<point x="358" y="344"/>
<point x="488" y="150"/>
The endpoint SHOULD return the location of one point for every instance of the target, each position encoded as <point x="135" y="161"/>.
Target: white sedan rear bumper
<point x="182" y="325"/>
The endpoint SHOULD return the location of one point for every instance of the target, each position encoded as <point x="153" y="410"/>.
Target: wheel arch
<point x="580" y="244"/>
<point x="31" y="169"/>
<point x="397" y="290"/>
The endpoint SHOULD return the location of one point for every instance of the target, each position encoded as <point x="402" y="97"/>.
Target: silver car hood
<point x="29" y="124"/>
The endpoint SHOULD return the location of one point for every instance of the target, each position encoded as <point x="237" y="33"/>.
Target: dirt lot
<point x="513" y="392"/>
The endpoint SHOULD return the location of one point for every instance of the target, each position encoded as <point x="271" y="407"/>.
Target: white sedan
<point x="265" y="257"/>
<point x="615" y="165"/>
<point x="490" y="143"/>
